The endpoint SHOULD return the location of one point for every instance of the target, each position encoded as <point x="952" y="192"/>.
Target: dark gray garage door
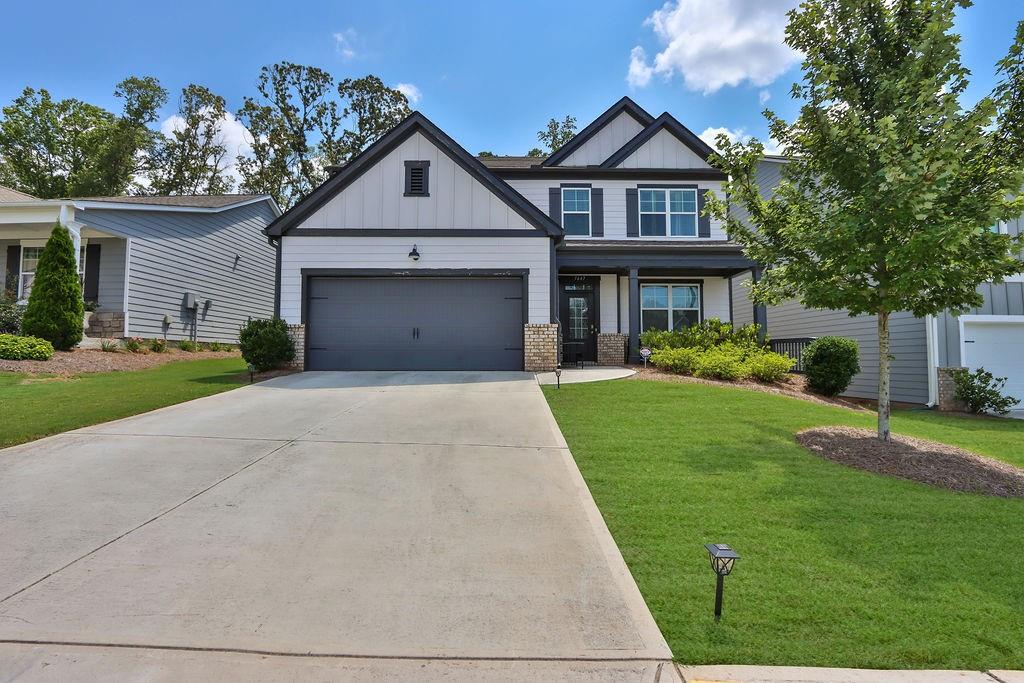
<point x="414" y="323"/>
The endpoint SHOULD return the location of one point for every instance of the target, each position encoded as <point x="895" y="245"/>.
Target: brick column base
<point x="298" y="335"/>
<point x="947" y="392"/>
<point x="611" y="348"/>
<point x="540" y="347"/>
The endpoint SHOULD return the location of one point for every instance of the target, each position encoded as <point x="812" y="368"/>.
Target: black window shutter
<point x="13" y="268"/>
<point x="91" y="287"/>
<point x="632" y="212"/>
<point x="597" y="212"/>
<point x="703" y="222"/>
<point x="555" y="204"/>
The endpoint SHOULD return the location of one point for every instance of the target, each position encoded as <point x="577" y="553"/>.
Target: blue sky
<point x="491" y="74"/>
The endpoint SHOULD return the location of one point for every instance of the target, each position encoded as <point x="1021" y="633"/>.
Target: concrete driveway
<point x="370" y="522"/>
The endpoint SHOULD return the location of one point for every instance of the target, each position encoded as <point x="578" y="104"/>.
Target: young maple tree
<point x="892" y="185"/>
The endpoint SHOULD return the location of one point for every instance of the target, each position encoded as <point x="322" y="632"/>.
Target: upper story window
<point x="668" y="213"/>
<point x="417" y="178"/>
<point x="576" y="210"/>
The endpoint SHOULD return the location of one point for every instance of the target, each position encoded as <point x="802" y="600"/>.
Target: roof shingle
<point x="9" y="195"/>
<point x="198" y="201"/>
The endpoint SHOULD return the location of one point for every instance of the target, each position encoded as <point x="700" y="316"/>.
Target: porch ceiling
<point x="36" y="231"/>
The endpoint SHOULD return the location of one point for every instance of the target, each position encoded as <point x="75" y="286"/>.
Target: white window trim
<point x="668" y="213"/>
<point x="590" y="219"/>
<point x="40" y="244"/>
<point x="670" y="285"/>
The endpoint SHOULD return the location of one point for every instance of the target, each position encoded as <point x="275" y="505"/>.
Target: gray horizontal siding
<point x="909" y="370"/>
<point x="173" y="254"/>
<point x="742" y="309"/>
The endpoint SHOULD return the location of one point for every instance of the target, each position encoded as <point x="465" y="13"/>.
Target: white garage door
<point x="998" y="346"/>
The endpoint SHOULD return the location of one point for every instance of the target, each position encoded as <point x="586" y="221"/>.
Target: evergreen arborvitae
<point x="55" y="307"/>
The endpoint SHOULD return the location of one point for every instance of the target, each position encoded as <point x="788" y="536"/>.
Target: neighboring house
<point x="991" y="336"/>
<point x="181" y="267"/>
<point x="417" y="255"/>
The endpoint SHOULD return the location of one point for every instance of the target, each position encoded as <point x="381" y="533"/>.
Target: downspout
<point x="931" y="333"/>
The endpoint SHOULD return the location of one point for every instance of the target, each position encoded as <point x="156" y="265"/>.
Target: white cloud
<point x="235" y="137"/>
<point x="763" y="97"/>
<point x="717" y="43"/>
<point x="410" y="91"/>
<point x="343" y="43"/>
<point x="640" y="72"/>
<point x="739" y="135"/>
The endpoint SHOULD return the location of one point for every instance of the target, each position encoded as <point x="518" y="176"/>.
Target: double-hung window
<point x="668" y="213"/>
<point x="576" y="211"/>
<point x="29" y="262"/>
<point x="669" y="307"/>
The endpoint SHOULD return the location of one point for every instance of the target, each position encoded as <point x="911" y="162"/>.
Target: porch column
<point x="75" y="231"/>
<point x="634" y="315"/>
<point x="760" y="312"/>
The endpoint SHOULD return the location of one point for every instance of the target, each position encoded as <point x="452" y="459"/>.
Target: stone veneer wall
<point x="540" y="342"/>
<point x="611" y="348"/>
<point x="298" y="335"/>
<point x="106" y="324"/>
<point x="947" y="392"/>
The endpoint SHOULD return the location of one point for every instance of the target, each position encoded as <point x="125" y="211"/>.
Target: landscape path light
<point x="723" y="559"/>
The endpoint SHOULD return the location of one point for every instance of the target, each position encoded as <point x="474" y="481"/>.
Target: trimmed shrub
<point x="769" y="367"/>
<point x="13" y="347"/>
<point x="266" y="344"/>
<point x="683" y="361"/>
<point x="188" y="345"/>
<point x="722" y="362"/>
<point x="981" y="391"/>
<point x="10" y="317"/>
<point x="830" y="364"/>
<point x="158" y="345"/>
<point x="55" y="307"/>
<point x="706" y="334"/>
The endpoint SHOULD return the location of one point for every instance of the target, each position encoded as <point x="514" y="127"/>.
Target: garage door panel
<point x="421" y="323"/>
<point x="999" y="348"/>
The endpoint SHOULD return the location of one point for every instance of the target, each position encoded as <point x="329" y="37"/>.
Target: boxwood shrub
<point x="10" y="317"/>
<point x="266" y="344"/>
<point x="13" y="347"/>
<point x="830" y="364"/>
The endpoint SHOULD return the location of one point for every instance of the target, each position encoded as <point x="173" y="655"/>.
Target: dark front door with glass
<point x="579" y="322"/>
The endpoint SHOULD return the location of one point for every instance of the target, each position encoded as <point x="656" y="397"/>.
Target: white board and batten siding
<point x="605" y="142"/>
<point x="376" y="198"/>
<point x="172" y="253"/>
<point x="392" y="253"/>
<point x="663" y="150"/>
<point x="536" y="190"/>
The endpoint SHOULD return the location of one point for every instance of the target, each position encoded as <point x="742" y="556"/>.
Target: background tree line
<point x="299" y="121"/>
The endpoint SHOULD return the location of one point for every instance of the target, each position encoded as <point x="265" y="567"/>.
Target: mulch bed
<point x="928" y="462"/>
<point x="794" y="386"/>
<point x="65" y="363"/>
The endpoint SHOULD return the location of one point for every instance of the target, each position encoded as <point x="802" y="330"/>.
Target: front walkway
<point x="344" y="515"/>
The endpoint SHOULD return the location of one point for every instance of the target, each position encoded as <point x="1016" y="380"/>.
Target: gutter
<point x="931" y="330"/>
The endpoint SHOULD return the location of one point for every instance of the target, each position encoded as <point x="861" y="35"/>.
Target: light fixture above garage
<point x="414" y="254"/>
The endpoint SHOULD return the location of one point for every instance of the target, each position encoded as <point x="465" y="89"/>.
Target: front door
<point x="579" y="321"/>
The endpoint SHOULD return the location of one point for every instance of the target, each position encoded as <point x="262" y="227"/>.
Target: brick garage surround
<point x="298" y="335"/>
<point x="540" y="342"/>
<point x="947" y="391"/>
<point x="611" y="348"/>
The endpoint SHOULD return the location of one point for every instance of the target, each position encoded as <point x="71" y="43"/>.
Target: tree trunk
<point x="883" y="375"/>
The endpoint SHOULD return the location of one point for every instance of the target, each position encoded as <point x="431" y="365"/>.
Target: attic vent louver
<point x="417" y="178"/>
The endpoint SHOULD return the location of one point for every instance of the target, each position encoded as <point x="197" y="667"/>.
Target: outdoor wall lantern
<point x="415" y="253"/>
<point x="723" y="558"/>
<point x="558" y="376"/>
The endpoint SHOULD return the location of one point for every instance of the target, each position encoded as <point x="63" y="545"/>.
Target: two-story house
<point x="418" y="255"/>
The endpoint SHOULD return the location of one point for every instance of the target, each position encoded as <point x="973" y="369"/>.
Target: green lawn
<point x="33" y="407"/>
<point x="839" y="567"/>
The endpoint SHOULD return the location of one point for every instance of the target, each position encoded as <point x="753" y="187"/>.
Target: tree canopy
<point x="892" y="184"/>
<point x="556" y="134"/>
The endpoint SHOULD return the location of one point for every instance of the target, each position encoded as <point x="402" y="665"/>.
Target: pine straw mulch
<point x="794" y="386"/>
<point x="67" y="363"/>
<point x="927" y="462"/>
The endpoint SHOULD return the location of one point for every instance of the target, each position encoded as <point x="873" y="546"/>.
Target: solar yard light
<point x="558" y="376"/>
<point x="723" y="558"/>
<point x="252" y="372"/>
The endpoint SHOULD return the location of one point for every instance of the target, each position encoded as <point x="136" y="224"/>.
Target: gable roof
<point x="415" y="122"/>
<point x="624" y="105"/>
<point x="9" y="195"/>
<point x="665" y="122"/>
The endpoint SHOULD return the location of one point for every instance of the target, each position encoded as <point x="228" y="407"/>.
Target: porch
<point x="607" y="293"/>
<point x="102" y="259"/>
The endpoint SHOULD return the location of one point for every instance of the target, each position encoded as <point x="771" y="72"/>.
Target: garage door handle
<point x="968" y="341"/>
